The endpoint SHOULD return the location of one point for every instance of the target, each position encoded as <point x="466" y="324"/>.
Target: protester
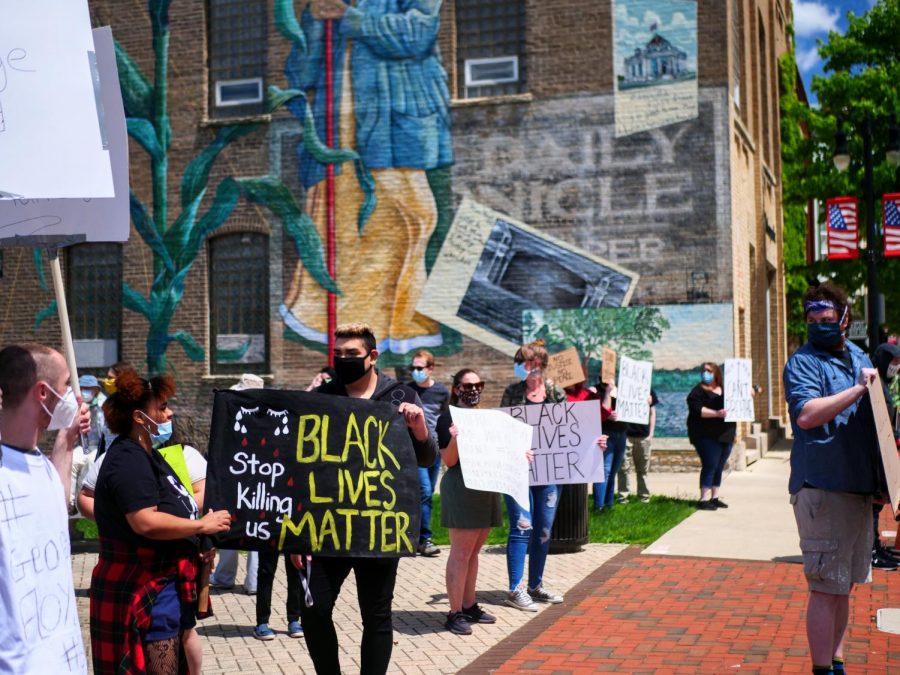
<point x="355" y="357"/>
<point x="144" y="587"/>
<point x="92" y="444"/>
<point x="709" y="433"/>
<point x="324" y="376"/>
<point x="35" y="397"/>
<point x="529" y="530"/>
<point x="108" y="383"/>
<point x="640" y="438"/>
<point x="268" y="563"/>
<point x="435" y="398"/>
<point x="834" y="467"/>
<point x="887" y="362"/>
<point x="225" y="574"/>
<point x="468" y="514"/>
<point x="616" y="432"/>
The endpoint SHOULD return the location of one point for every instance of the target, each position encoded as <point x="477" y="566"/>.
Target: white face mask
<point x="64" y="413"/>
<point x="892" y="370"/>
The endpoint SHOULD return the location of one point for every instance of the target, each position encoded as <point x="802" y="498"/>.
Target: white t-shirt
<point x="39" y="630"/>
<point x="196" y="466"/>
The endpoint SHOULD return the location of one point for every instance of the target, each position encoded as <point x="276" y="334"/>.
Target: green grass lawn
<point x="630" y="523"/>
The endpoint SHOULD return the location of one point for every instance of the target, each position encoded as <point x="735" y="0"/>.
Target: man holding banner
<point x="354" y="364"/>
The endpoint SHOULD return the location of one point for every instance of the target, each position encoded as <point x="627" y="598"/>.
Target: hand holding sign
<point x="738" y="391"/>
<point x="215" y="522"/>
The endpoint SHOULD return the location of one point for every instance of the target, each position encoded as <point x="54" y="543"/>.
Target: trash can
<point x="570" y="529"/>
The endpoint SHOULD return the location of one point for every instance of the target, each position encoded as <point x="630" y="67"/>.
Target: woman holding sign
<point x="468" y="514"/>
<point x="144" y="587"/>
<point x="529" y="532"/>
<point x="710" y="434"/>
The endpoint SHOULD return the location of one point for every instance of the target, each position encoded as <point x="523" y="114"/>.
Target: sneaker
<point x="263" y="632"/>
<point x="707" y="505"/>
<point x="428" y="549"/>
<point x="645" y="499"/>
<point x="456" y="623"/>
<point x="540" y="594"/>
<point x="220" y="586"/>
<point x="622" y="498"/>
<point x="886" y="553"/>
<point x="719" y="503"/>
<point x="295" y="630"/>
<point x="475" y="614"/>
<point x="521" y="600"/>
<point x="881" y="562"/>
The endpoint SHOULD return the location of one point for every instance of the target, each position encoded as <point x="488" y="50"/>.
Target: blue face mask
<point x="419" y="376"/>
<point x="163" y="432"/>
<point x="824" y="335"/>
<point x="521" y="371"/>
<point x="707" y="377"/>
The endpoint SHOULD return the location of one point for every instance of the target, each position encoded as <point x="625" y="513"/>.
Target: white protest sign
<point x="738" y="390"/>
<point x="564" y="441"/>
<point x="633" y="397"/>
<point x="492" y="448"/>
<point x="51" y="140"/>
<point x="102" y="219"/>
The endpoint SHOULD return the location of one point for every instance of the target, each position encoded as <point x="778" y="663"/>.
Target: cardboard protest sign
<point x="101" y="219"/>
<point x="52" y="137"/>
<point x="564" y="368"/>
<point x="311" y="473"/>
<point x="886" y="443"/>
<point x="492" y="448"/>
<point x="738" y="390"/>
<point x="608" y="368"/>
<point x="633" y="397"/>
<point x="564" y="441"/>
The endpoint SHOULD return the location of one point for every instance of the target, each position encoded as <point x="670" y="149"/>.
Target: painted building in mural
<point x="491" y="161"/>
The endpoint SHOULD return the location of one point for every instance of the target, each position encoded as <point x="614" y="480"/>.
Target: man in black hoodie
<point x="887" y="361"/>
<point x="354" y="364"/>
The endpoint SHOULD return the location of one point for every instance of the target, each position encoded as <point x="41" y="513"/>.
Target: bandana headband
<point x="818" y="306"/>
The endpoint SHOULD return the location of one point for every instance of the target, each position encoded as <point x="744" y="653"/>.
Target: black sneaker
<point x="880" y="562"/>
<point x="475" y="614"/>
<point x="707" y="505"/>
<point x="719" y="503"/>
<point x="456" y="623"/>
<point x="886" y="554"/>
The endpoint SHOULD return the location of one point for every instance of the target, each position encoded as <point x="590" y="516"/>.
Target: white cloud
<point x="812" y="18"/>
<point x="651" y="18"/>
<point x="679" y="20"/>
<point x="807" y="58"/>
<point x="623" y="17"/>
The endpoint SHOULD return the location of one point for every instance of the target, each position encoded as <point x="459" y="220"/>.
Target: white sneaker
<point x="520" y="599"/>
<point x="540" y="594"/>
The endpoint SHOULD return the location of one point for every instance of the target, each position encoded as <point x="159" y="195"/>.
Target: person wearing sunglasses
<point x="529" y="530"/>
<point x="435" y="398"/>
<point x="468" y="514"/>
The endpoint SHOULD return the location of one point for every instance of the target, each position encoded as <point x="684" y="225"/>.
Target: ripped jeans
<point x="529" y="532"/>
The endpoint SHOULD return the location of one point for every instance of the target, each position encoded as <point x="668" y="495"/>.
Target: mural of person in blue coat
<point x="391" y="105"/>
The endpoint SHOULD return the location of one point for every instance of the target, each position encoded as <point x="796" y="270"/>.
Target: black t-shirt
<point x="708" y="427"/>
<point x="636" y="430"/>
<point x="132" y="479"/>
<point x="443" y="429"/>
<point x="435" y="400"/>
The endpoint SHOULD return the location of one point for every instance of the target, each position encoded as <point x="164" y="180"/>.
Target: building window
<point x="238" y="40"/>
<point x="94" y="299"/>
<point x="490" y="47"/>
<point x="239" y="303"/>
<point x="741" y="97"/>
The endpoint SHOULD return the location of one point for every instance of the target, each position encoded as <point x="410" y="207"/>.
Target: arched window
<point x="94" y="299"/>
<point x="239" y="303"/>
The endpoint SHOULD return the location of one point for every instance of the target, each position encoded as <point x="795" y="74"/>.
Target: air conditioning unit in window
<point x="495" y="70"/>
<point x="239" y="92"/>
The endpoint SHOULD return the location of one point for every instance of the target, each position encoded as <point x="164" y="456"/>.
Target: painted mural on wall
<point x="676" y="338"/>
<point x="655" y="63"/>
<point x="493" y="267"/>
<point x="391" y="105"/>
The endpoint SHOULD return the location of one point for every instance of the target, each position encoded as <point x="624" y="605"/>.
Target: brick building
<point x="638" y="138"/>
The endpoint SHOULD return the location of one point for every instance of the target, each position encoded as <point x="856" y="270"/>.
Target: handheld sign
<point x="492" y="449"/>
<point x="738" y="390"/>
<point x="608" y="368"/>
<point x="886" y="443"/>
<point x="564" y="368"/>
<point x="633" y="398"/>
<point x="311" y="473"/>
<point x="564" y="441"/>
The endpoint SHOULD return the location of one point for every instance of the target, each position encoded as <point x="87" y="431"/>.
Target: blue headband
<point x="818" y="306"/>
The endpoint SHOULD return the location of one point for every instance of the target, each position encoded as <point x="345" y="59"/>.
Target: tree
<point x="862" y="77"/>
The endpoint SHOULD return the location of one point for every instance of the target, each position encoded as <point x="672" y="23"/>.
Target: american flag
<point x="891" y="204"/>
<point x="843" y="228"/>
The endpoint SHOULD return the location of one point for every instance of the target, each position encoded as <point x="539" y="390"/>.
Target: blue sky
<point x="813" y="19"/>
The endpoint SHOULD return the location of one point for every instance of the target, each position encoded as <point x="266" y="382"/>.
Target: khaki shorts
<point x="836" y="538"/>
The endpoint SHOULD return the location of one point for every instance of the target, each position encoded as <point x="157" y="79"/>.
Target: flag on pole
<point x="891" y="210"/>
<point x="843" y="228"/>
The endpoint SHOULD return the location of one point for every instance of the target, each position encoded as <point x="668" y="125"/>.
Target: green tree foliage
<point x="862" y="77"/>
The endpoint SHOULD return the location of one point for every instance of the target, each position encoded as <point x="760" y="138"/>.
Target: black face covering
<point x="470" y="397"/>
<point x="348" y="369"/>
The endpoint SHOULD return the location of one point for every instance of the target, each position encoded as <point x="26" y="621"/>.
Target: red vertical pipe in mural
<point x="330" y="244"/>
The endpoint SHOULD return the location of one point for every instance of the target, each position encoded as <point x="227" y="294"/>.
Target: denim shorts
<point x="169" y="616"/>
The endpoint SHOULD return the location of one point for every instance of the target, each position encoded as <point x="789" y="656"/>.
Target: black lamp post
<point x="842" y="163"/>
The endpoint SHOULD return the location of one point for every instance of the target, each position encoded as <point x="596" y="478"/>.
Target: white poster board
<point x="564" y="442"/>
<point x="51" y="142"/>
<point x="492" y="448"/>
<point x="633" y="396"/>
<point x="738" y="390"/>
<point x="102" y="219"/>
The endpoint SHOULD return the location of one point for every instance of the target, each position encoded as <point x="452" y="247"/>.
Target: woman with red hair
<point x="144" y="587"/>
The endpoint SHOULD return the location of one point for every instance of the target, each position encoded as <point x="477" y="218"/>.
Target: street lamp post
<point x="842" y="163"/>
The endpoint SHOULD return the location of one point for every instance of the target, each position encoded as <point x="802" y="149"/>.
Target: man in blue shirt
<point x="835" y="468"/>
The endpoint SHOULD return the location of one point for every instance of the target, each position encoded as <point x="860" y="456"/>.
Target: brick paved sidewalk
<point x="654" y="614"/>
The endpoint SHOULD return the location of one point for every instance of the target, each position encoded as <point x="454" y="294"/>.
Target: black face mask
<point x="348" y="369"/>
<point x="470" y="398"/>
